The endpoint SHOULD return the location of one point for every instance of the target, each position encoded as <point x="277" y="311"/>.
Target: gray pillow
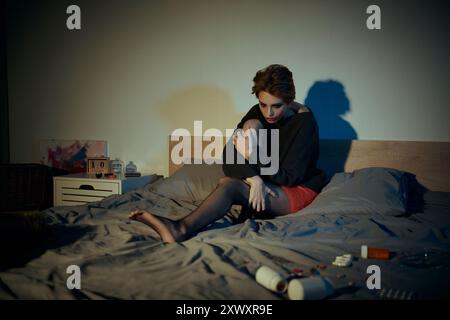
<point x="192" y="182"/>
<point x="369" y="190"/>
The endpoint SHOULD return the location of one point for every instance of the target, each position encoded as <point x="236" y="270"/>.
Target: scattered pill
<point x="294" y="275"/>
<point x="343" y="261"/>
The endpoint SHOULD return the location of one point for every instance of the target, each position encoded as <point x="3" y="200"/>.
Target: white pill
<point x="341" y="264"/>
<point x="342" y="258"/>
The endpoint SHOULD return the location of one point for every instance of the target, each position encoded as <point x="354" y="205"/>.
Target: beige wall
<point x="139" y="69"/>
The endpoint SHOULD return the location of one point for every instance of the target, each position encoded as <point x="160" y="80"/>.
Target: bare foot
<point x="169" y="230"/>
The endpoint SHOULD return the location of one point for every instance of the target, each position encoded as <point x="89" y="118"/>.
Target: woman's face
<point x="271" y="107"/>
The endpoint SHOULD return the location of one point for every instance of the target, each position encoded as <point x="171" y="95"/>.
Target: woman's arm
<point x="232" y="169"/>
<point x="230" y="166"/>
<point x="253" y="113"/>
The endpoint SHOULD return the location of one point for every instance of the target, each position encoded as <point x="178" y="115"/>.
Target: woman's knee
<point x="230" y="184"/>
<point x="227" y="180"/>
<point x="223" y="180"/>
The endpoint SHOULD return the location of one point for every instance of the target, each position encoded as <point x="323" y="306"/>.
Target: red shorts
<point x="298" y="197"/>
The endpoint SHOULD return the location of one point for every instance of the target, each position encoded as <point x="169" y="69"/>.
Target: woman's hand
<point x="258" y="193"/>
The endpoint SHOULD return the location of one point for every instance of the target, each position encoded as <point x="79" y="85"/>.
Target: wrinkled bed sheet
<point x="122" y="259"/>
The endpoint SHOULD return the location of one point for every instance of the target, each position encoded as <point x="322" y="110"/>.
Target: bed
<point x="391" y="194"/>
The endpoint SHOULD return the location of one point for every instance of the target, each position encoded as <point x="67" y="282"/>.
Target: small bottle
<point x="117" y="166"/>
<point x="312" y="288"/>
<point x="131" y="168"/>
<point x="374" y="253"/>
<point x="270" y="279"/>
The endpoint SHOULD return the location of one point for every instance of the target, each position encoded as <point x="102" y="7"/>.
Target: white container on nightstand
<point x="79" y="188"/>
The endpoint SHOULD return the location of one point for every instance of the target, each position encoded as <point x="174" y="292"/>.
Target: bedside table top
<point x="86" y="177"/>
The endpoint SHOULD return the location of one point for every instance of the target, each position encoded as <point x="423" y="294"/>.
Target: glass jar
<point x="131" y="168"/>
<point x="117" y="166"/>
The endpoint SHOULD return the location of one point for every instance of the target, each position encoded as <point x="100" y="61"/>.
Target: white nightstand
<point x="79" y="188"/>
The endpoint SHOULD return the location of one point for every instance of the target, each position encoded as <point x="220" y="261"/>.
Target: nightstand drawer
<point x="79" y="192"/>
<point x="92" y="187"/>
<point x="80" y="188"/>
<point x="78" y="198"/>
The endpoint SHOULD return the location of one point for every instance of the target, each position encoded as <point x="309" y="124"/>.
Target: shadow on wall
<point x="213" y="106"/>
<point x="216" y="109"/>
<point x="330" y="103"/>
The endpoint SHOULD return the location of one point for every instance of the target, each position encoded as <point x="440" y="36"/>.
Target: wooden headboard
<point x="429" y="161"/>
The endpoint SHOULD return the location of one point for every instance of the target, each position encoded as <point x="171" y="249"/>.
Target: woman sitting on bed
<point x="293" y="187"/>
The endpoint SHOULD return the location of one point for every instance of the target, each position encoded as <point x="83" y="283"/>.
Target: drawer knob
<point x="86" y="187"/>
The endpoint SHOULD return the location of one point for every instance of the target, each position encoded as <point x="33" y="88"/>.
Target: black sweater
<point x="298" y="152"/>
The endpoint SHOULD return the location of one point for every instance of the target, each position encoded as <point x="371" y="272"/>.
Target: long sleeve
<point x="301" y="155"/>
<point x="298" y="153"/>
<point x="230" y="167"/>
<point x="253" y="113"/>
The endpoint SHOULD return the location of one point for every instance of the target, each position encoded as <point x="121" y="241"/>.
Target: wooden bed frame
<point x="429" y="161"/>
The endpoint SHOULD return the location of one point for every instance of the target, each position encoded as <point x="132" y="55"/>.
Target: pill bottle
<point x="271" y="279"/>
<point x="117" y="166"/>
<point x="312" y="288"/>
<point x="374" y="253"/>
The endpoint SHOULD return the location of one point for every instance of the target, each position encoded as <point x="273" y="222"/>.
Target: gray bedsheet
<point x="120" y="259"/>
